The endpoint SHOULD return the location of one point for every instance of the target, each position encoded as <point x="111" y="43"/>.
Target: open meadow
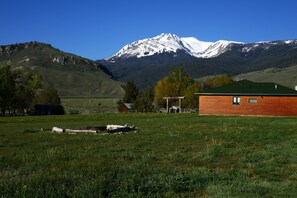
<point x="90" y="105"/>
<point x="170" y="155"/>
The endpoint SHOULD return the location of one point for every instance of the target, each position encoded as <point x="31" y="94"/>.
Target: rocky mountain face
<point x="35" y="52"/>
<point x="68" y="73"/>
<point x="148" y="60"/>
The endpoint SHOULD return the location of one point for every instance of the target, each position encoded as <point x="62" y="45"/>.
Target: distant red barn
<point x="249" y="98"/>
<point x="126" y="107"/>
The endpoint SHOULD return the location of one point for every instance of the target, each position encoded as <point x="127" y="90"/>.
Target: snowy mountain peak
<point x="168" y="42"/>
<point x="217" y="48"/>
<point x="167" y="36"/>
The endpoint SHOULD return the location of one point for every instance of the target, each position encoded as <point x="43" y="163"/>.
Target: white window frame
<point x="253" y="100"/>
<point x="236" y="100"/>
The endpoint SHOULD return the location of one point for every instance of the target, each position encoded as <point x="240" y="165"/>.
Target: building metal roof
<point x="129" y="105"/>
<point x="249" y="88"/>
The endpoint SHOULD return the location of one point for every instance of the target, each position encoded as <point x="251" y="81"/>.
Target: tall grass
<point x="180" y="155"/>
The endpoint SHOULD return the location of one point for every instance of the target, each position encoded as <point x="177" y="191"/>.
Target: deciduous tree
<point x="217" y="81"/>
<point x="47" y="95"/>
<point x="191" y="100"/>
<point x="8" y="88"/>
<point x="18" y="92"/>
<point x="177" y="83"/>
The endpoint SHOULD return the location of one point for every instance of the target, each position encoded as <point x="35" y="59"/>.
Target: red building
<point x="249" y="98"/>
<point x="126" y="107"/>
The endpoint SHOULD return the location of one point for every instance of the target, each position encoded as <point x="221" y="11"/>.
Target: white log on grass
<point x="57" y="130"/>
<point x="114" y="126"/>
<point x="80" y="131"/>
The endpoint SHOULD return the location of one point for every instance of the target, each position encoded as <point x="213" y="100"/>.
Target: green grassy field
<point x="175" y="155"/>
<point x="90" y="105"/>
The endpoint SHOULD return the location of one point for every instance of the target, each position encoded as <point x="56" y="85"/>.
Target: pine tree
<point x="144" y="102"/>
<point x="131" y="92"/>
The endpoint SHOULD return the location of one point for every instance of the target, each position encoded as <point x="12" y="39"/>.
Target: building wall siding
<point x="123" y="108"/>
<point x="266" y="105"/>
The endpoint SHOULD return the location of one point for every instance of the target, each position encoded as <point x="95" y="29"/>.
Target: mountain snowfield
<point x="167" y="42"/>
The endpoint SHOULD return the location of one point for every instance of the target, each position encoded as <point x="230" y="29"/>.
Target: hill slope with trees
<point x="71" y="75"/>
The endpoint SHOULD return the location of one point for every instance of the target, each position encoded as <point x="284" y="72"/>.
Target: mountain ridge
<point x="71" y="74"/>
<point x="222" y="57"/>
<point x="68" y="73"/>
<point x="168" y="42"/>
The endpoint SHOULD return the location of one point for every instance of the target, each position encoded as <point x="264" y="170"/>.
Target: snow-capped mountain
<point x="144" y="61"/>
<point x="217" y="48"/>
<point x="172" y="43"/>
<point x="266" y="45"/>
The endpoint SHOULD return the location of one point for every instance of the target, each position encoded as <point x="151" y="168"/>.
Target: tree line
<point x="176" y="83"/>
<point x="20" y="91"/>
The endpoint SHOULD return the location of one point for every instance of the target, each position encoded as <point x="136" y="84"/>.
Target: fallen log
<point x="112" y="128"/>
<point x="119" y="128"/>
<point x="57" y="130"/>
<point x="97" y="128"/>
<point x="80" y="131"/>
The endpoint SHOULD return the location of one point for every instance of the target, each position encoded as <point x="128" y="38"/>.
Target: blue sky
<point x="96" y="29"/>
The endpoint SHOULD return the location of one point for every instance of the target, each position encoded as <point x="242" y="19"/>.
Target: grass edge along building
<point x="249" y="98"/>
